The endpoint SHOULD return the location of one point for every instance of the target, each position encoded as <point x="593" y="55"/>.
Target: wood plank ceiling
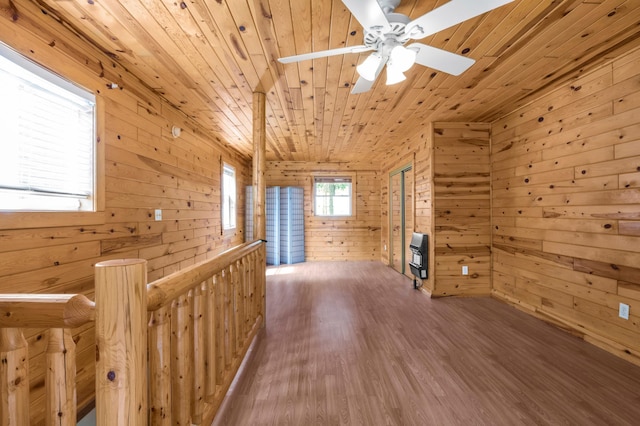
<point x="207" y="57"/>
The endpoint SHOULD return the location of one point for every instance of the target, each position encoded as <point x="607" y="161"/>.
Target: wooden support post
<point x="121" y="342"/>
<point x="60" y="379"/>
<point x="14" y="378"/>
<point x="259" y="166"/>
<point x="259" y="183"/>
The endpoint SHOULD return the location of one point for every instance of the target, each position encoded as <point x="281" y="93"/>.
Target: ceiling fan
<point x="386" y="33"/>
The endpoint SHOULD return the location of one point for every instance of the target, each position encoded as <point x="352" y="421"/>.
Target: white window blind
<point x="228" y="197"/>
<point x="47" y="157"/>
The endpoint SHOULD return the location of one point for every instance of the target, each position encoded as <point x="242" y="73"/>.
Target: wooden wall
<point x="356" y="238"/>
<point x="144" y="168"/>
<point x="418" y="153"/>
<point x="462" y="214"/>
<point x="452" y="199"/>
<point x="566" y="215"/>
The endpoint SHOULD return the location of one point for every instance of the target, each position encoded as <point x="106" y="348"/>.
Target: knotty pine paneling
<point x="144" y="168"/>
<point x="356" y="238"/>
<point x="461" y="198"/>
<point x="452" y="199"/>
<point x="565" y="206"/>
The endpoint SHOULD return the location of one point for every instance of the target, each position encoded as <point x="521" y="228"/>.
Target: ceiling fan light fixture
<point x="402" y="58"/>
<point x="369" y="67"/>
<point x="394" y="75"/>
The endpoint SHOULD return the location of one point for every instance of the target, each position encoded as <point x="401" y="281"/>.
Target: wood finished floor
<point x="353" y="343"/>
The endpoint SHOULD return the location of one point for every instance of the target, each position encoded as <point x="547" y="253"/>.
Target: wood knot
<point x="111" y="375"/>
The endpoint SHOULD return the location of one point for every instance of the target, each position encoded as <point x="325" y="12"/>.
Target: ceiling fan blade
<point x="450" y="14"/>
<point x="325" y="53"/>
<point x="368" y="13"/>
<point x="441" y="60"/>
<point x="363" y="84"/>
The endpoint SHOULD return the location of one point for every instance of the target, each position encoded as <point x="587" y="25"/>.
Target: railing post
<point x="14" y="377"/>
<point x="60" y="380"/>
<point x="121" y="342"/>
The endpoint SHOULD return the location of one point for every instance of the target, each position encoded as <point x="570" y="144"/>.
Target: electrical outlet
<point x="158" y="214"/>
<point x="623" y="312"/>
<point x="465" y="270"/>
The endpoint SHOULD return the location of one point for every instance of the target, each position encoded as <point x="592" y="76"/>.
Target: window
<point x="47" y="150"/>
<point x="228" y="197"/>
<point x="332" y="196"/>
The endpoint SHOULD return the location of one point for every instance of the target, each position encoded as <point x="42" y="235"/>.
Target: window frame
<point x="28" y="219"/>
<point x="233" y="226"/>
<point x="334" y="175"/>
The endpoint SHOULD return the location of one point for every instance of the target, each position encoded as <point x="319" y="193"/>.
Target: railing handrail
<point x="164" y="290"/>
<point x="45" y="310"/>
<point x="199" y="322"/>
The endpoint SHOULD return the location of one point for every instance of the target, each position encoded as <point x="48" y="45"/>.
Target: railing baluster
<point x="261" y="281"/>
<point x="160" y="367"/>
<point x="198" y="386"/>
<point x="252" y="291"/>
<point x="60" y="380"/>
<point x="227" y="294"/>
<point x="220" y="327"/>
<point x="243" y="301"/>
<point x="238" y="281"/>
<point x="231" y="292"/>
<point x="14" y="377"/>
<point x="181" y="360"/>
<point x="210" y="341"/>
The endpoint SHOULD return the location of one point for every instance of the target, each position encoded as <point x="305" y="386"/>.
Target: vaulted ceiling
<point x="207" y="57"/>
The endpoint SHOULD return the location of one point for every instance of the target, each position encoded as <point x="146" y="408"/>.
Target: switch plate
<point x="465" y="270"/>
<point x="623" y="312"/>
<point x="158" y="214"/>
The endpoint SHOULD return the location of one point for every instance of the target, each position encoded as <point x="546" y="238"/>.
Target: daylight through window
<point x="229" y="197"/>
<point x="332" y="196"/>
<point x="47" y="157"/>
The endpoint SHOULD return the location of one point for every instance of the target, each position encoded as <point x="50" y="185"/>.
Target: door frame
<point x="402" y="170"/>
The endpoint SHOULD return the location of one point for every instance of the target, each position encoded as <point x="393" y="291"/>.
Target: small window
<point x="47" y="153"/>
<point x="228" y="197"/>
<point x="332" y="196"/>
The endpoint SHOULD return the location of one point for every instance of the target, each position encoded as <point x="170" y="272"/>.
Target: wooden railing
<point x="166" y="352"/>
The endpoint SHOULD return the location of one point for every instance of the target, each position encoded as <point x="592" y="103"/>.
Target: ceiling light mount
<point x="386" y="32"/>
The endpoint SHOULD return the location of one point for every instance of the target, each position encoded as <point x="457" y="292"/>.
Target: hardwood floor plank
<point x="352" y="343"/>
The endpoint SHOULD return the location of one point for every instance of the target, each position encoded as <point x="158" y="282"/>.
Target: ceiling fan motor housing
<point x="388" y="6"/>
<point x="374" y="37"/>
